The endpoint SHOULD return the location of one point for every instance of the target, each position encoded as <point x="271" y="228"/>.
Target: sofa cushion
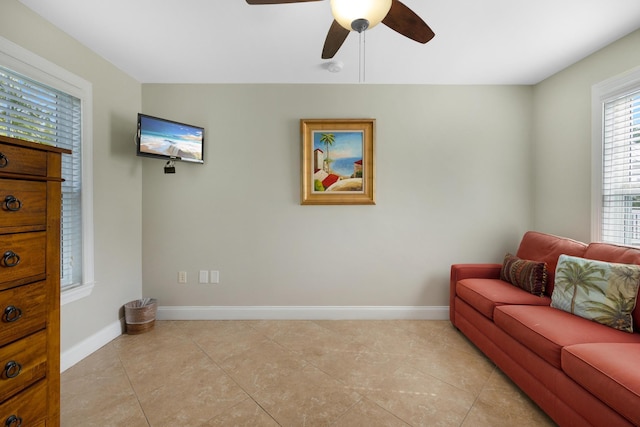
<point x="602" y="291"/>
<point x="547" y="248"/>
<point x="546" y="330"/>
<point x="612" y="253"/>
<point x="525" y="274"/>
<point x="616" y="253"/>
<point x="609" y="371"/>
<point x="485" y="294"/>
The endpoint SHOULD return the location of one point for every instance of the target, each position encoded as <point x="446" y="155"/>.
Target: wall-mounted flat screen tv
<point x="166" y="139"/>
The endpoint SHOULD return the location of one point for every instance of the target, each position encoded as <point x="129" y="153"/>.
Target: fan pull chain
<point x="362" y="57"/>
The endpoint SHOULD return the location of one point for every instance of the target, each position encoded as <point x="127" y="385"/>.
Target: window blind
<point x="36" y="112"/>
<point x="621" y="170"/>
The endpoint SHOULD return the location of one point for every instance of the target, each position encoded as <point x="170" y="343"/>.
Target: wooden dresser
<point x="30" y="198"/>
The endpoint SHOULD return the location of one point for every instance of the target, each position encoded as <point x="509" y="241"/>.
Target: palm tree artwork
<point x="327" y="139"/>
<point x="338" y="161"/>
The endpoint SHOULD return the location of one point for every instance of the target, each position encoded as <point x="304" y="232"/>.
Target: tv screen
<point x="166" y="139"/>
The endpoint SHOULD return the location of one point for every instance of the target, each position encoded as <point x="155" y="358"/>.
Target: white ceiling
<point x="229" y="41"/>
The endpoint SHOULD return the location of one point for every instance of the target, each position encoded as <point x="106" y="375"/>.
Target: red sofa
<point x="581" y="373"/>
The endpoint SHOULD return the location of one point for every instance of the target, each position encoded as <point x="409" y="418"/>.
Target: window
<point x="36" y="112"/>
<point x="616" y="135"/>
<point x="42" y="103"/>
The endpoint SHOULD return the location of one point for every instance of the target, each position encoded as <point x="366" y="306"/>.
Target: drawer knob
<point x="12" y="369"/>
<point x="13" y="421"/>
<point x="13" y="204"/>
<point x="4" y="162"/>
<point x="11" y="314"/>
<point x="10" y="259"/>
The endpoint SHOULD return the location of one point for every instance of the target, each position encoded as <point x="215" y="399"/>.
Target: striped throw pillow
<point x="528" y="275"/>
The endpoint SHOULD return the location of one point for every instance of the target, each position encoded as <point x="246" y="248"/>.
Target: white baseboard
<point x="302" y="312"/>
<point x="114" y="330"/>
<point x="91" y="344"/>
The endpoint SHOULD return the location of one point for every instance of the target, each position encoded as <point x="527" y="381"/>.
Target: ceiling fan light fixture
<point x="345" y="12"/>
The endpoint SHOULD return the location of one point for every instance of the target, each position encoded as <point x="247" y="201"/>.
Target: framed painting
<point x="337" y="161"/>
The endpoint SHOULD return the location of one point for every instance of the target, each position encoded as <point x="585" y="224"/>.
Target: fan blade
<point x="335" y="37"/>
<point x="277" y="1"/>
<point x="405" y="21"/>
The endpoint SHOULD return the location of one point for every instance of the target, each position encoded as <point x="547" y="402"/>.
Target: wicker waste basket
<point x="140" y="315"/>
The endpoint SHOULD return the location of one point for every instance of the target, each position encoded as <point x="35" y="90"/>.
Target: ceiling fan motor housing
<point x="360" y="25"/>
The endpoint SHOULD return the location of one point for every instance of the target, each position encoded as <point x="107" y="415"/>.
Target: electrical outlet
<point x="204" y="276"/>
<point x="215" y="276"/>
<point x="182" y="277"/>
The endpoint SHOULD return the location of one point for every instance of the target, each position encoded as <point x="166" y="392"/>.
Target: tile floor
<point x="293" y="373"/>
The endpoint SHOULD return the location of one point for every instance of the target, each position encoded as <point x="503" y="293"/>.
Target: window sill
<point x="76" y="293"/>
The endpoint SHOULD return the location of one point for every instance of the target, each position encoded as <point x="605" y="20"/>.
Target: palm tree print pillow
<point x="600" y="291"/>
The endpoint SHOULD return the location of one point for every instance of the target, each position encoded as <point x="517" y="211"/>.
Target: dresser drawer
<point x="23" y="160"/>
<point x="22" y="363"/>
<point x="22" y="203"/>
<point x="22" y="258"/>
<point x="30" y="406"/>
<point x="22" y="312"/>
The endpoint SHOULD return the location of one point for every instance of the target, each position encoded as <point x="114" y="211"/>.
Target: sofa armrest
<point x="467" y="271"/>
<point x="478" y="271"/>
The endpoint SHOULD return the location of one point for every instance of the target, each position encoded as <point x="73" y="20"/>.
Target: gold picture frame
<point x="337" y="161"/>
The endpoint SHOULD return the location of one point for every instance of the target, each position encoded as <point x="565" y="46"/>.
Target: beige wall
<point x="452" y="175"/>
<point x="117" y="172"/>
<point x="562" y="139"/>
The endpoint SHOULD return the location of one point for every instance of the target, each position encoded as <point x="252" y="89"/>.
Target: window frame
<point x="601" y="93"/>
<point x="23" y="61"/>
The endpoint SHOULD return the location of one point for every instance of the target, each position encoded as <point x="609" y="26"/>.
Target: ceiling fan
<point x="360" y="15"/>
